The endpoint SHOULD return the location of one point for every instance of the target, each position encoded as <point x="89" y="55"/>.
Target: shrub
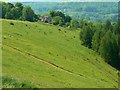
<point x="11" y="23"/>
<point x="9" y="82"/>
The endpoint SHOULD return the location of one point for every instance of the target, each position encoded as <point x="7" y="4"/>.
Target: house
<point x="46" y="19"/>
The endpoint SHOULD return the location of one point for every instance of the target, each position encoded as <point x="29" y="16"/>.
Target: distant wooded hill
<point x="93" y="11"/>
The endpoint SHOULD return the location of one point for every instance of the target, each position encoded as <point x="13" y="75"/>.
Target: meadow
<point x="42" y="55"/>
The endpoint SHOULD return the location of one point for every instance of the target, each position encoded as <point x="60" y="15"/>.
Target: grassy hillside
<point x="39" y="55"/>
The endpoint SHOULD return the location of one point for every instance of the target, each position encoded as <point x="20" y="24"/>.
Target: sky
<point x="61" y="0"/>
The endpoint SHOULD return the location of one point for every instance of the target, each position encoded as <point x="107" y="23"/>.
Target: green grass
<point x="9" y="82"/>
<point x="81" y="67"/>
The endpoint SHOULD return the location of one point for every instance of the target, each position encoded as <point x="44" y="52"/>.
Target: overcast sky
<point x="61" y="0"/>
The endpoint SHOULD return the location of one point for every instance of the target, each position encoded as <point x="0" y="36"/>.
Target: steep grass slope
<point x="43" y="56"/>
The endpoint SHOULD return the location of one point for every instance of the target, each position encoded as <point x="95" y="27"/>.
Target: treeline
<point x="104" y="38"/>
<point x="18" y="12"/>
<point x="93" y="11"/>
<point x="59" y="18"/>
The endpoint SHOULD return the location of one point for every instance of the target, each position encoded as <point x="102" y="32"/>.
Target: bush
<point x="74" y="23"/>
<point x="9" y="82"/>
<point x="11" y="23"/>
<point x="57" y="20"/>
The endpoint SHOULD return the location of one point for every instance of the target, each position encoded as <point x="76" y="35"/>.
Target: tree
<point x="86" y="36"/>
<point x="74" y="23"/>
<point x="61" y="22"/>
<point x="107" y="25"/>
<point x="19" y="8"/>
<point x="10" y="11"/>
<point x="16" y="12"/>
<point x="96" y="40"/>
<point x="109" y="49"/>
<point x="59" y="13"/>
<point x="9" y="6"/>
<point x="98" y="26"/>
<point x="116" y="27"/>
<point x="56" y="13"/>
<point x="59" y="17"/>
<point x="19" y="5"/>
<point x="28" y="14"/>
<point x="99" y="33"/>
<point x="0" y="9"/>
<point x="81" y="23"/>
<point x="67" y="18"/>
<point x="52" y="13"/>
<point x="119" y="46"/>
<point x="6" y="8"/>
<point x="56" y="20"/>
<point x="9" y="15"/>
<point x="3" y="9"/>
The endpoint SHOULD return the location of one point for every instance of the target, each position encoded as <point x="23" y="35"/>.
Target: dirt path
<point x="43" y="61"/>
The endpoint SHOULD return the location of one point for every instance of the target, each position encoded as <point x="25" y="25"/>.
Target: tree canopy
<point x="17" y="11"/>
